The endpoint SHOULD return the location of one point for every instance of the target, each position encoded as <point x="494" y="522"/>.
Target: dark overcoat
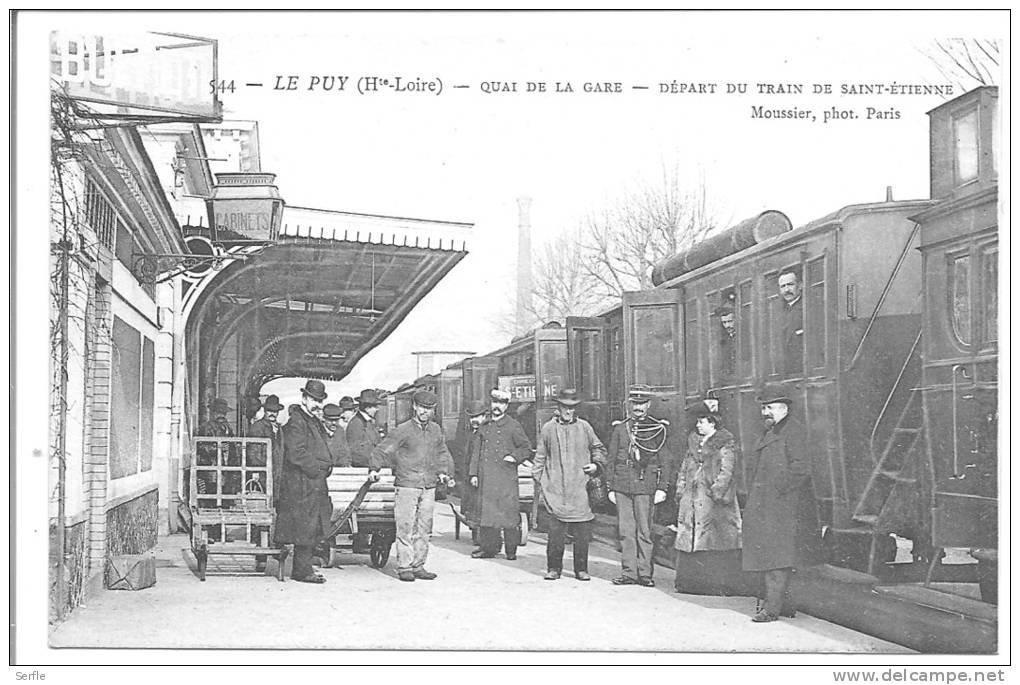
<point x="708" y="517"/>
<point x="304" y="509"/>
<point x="793" y="338"/>
<point x="362" y="436"/>
<point x="653" y="471"/>
<point x="264" y="428"/>
<point x="338" y="447"/>
<point x="780" y="526"/>
<point x="499" y="506"/>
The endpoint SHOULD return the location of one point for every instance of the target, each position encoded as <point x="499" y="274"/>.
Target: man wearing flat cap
<point x="478" y="413"/>
<point x="568" y="452"/>
<point x="639" y="471"/>
<point x="304" y="509"/>
<point x="417" y="453"/>
<point x="337" y="437"/>
<point x="780" y="523"/>
<point x="362" y="432"/>
<point x="501" y="445"/>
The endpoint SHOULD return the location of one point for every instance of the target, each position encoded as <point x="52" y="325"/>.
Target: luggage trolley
<point x="363" y="515"/>
<point x="526" y="498"/>
<point x="231" y="495"/>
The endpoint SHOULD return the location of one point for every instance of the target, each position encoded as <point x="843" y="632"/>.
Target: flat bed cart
<point x="370" y="526"/>
<point x="526" y="497"/>
<point x="230" y="497"/>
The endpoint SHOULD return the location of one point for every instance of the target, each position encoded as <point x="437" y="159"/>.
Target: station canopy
<point x="330" y="288"/>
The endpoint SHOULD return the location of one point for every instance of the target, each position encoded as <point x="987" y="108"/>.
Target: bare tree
<point x="562" y="283"/>
<point x="966" y="62"/>
<point x="623" y="242"/>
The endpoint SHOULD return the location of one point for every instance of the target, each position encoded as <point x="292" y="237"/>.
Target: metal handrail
<point x="885" y="293"/>
<point x="956" y="447"/>
<point x="888" y="399"/>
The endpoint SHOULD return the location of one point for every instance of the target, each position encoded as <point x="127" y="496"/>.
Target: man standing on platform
<point x="638" y="474"/>
<point x="304" y="511"/>
<point x="348" y="408"/>
<point x="478" y="413"/>
<point x="780" y="524"/>
<point x="362" y="433"/>
<point x="336" y="437"/>
<point x="501" y="446"/>
<point x="215" y="427"/>
<point x="267" y="427"/>
<point x="417" y="453"/>
<point x="568" y="452"/>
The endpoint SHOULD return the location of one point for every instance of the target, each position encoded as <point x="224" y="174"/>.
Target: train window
<point x="654" y="347"/>
<point x="744" y="329"/>
<point x="692" y="369"/>
<point x="554" y="366"/>
<point x="815" y="324"/>
<point x="990" y="294"/>
<point x="965" y="129"/>
<point x="722" y="336"/>
<point x="588" y="371"/>
<point x="959" y="297"/>
<point x="451" y="399"/>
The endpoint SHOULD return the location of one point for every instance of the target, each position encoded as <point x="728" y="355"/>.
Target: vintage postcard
<point x="590" y="337"/>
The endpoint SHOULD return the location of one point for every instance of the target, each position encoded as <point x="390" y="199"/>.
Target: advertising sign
<point x="138" y="75"/>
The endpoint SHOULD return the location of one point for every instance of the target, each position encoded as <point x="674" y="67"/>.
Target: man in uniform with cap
<point x="215" y="427"/>
<point x="501" y="446"/>
<point x="417" y="453"/>
<point x="780" y="523"/>
<point x="478" y="413"/>
<point x="362" y="432"/>
<point x="304" y="510"/>
<point x="638" y="474"/>
<point x="337" y="437"/>
<point x="568" y="452"/>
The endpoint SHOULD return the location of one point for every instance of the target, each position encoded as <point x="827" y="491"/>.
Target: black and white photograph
<point x="511" y="337"/>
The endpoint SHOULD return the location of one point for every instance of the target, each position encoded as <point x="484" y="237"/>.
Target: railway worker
<point x="417" y="452"/>
<point x="304" y="510"/>
<point x="638" y="473"/>
<point x="348" y="408"/>
<point x="215" y="427"/>
<point x="780" y="524"/>
<point x="362" y="432"/>
<point x="792" y="322"/>
<point x="499" y="447"/>
<point x="338" y="450"/>
<point x="268" y="427"/>
<point x="727" y="341"/>
<point x="478" y="413"/>
<point x="568" y="452"/>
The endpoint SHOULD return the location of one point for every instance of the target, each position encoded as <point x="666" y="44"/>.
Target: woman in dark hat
<point x="708" y="520"/>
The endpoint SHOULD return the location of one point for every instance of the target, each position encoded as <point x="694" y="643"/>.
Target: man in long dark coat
<point x="268" y="427"/>
<point x="501" y="446"/>
<point x="216" y="426"/>
<point x="780" y="525"/>
<point x="362" y="432"/>
<point x="478" y="413"/>
<point x="304" y="511"/>
<point x="336" y="436"/>
<point x="638" y="472"/>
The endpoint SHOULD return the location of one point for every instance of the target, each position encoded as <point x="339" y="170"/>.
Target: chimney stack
<point x="888" y="194"/>
<point x="524" y="285"/>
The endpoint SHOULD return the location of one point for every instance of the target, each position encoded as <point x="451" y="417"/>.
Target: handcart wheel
<point x="380" y="552"/>
<point x="525" y="529"/>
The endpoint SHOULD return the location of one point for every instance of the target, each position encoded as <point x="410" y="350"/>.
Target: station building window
<point x="959" y="297"/>
<point x="131" y="401"/>
<point x="965" y="133"/>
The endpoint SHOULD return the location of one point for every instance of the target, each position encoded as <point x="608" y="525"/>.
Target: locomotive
<point x="893" y="371"/>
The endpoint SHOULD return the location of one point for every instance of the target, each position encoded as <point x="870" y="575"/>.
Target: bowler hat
<point x="475" y="408"/>
<point x="347" y="403"/>
<point x="219" y="405"/>
<point x="568" y="397"/>
<point x="315" y="389"/>
<point x="368" y="397"/>
<point x="272" y="403"/>
<point x="424" y="398"/>
<point x="639" y="394"/>
<point x="774" y="393"/>
<point x="500" y="395"/>
<point x="331" y="411"/>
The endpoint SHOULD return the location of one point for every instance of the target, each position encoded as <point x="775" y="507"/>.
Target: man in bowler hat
<point x="780" y="523"/>
<point x="362" y="432"/>
<point x="304" y="510"/>
<point x="338" y="449"/>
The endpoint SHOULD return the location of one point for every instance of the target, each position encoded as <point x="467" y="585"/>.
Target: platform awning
<point x="333" y="287"/>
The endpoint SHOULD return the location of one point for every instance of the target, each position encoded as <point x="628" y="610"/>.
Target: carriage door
<point x="586" y="366"/>
<point x="653" y="345"/>
<point x="551" y="373"/>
